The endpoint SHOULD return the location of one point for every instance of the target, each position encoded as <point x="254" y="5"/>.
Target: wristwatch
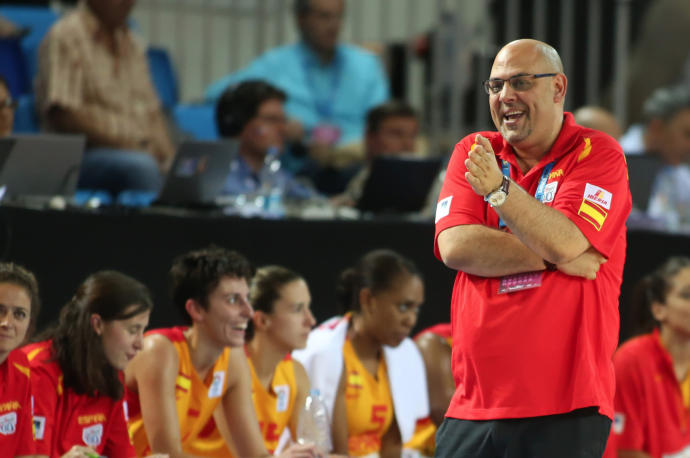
<point x="498" y="196"/>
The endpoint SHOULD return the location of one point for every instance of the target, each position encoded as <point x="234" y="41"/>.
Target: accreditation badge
<point x="519" y="282"/>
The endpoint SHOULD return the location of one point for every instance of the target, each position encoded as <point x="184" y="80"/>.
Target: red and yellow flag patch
<point x="593" y="213"/>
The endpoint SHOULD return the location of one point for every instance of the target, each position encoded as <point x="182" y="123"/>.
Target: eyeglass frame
<point x="486" y="83"/>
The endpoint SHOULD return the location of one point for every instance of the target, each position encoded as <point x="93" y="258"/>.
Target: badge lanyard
<point x="525" y="280"/>
<point x="539" y="194"/>
<point x="324" y="106"/>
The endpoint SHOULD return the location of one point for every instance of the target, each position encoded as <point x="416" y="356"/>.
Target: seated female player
<point x="370" y="374"/>
<point x="184" y="374"/>
<point x="76" y="371"/>
<point x="652" y="404"/>
<point x="19" y="306"/>
<point x="281" y="323"/>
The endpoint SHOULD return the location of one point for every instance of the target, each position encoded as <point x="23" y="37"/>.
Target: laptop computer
<point x="198" y="173"/>
<point x="642" y="172"/>
<point x="398" y="184"/>
<point x="39" y="166"/>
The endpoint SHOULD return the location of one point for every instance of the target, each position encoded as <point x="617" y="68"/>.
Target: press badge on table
<point x="518" y="282"/>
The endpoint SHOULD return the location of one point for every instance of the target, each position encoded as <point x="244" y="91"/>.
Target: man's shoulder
<point x="279" y="54"/>
<point x="72" y="24"/>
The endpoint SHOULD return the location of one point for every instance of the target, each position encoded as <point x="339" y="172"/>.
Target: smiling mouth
<point x="513" y="115"/>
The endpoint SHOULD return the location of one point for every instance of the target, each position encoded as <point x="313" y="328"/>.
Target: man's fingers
<point x="485" y="143"/>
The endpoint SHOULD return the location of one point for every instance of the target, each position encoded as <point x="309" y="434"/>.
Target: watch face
<point x="497" y="198"/>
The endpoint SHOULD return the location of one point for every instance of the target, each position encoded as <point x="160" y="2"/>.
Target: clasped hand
<point x="483" y="173"/>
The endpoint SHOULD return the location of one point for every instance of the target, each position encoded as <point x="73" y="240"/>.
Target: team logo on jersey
<point x="283" y="401"/>
<point x="39" y="427"/>
<point x="443" y="208"/>
<point x="92" y="435"/>
<point x="598" y="196"/>
<point x="618" y="423"/>
<point x="8" y="423"/>
<point x="216" y="388"/>
<point x="550" y="192"/>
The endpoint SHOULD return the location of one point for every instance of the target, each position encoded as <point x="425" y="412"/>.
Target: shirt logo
<point x="550" y="190"/>
<point x="39" y="427"/>
<point x="92" y="435"/>
<point x="598" y="196"/>
<point x="283" y="402"/>
<point x="8" y="423"/>
<point x="556" y="174"/>
<point x="443" y="208"/>
<point x="618" y="423"/>
<point x="217" y="385"/>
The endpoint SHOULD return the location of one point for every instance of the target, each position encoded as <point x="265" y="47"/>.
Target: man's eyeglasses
<point x="8" y="103"/>
<point x="519" y="83"/>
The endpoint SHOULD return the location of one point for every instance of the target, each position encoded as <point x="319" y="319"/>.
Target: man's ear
<point x="195" y="310"/>
<point x="560" y="85"/>
<point x="97" y="323"/>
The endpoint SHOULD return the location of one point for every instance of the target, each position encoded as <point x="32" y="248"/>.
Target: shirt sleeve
<point x="44" y="387"/>
<point x="118" y="442"/>
<point x="594" y="194"/>
<point x="628" y="417"/>
<point x="61" y="73"/>
<point x="458" y="204"/>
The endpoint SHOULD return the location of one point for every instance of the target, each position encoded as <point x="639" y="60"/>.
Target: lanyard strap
<point x="539" y="193"/>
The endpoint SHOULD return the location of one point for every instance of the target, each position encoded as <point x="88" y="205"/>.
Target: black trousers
<point x="581" y="433"/>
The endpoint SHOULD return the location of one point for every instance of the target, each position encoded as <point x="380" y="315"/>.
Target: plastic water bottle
<point x="314" y="426"/>
<point x="272" y="184"/>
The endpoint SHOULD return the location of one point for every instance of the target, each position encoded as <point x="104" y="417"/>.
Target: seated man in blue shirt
<point x="330" y="86"/>
<point x="252" y="112"/>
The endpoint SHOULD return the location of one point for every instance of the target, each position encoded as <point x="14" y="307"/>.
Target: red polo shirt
<point x="650" y="414"/>
<point x="63" y="418"/>
<point x="16" y="436"/>
<point x="545" y="350"/>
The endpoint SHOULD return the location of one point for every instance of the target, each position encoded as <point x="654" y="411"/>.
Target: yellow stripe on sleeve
<point x="23" y="369"/>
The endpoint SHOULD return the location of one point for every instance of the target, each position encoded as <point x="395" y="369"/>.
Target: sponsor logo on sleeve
<point x="443" y="208"/>
<point x="595" y="203"/>
<point x="283" y="393"/>
<point x="599" y="196"/>
<point x="618" y="423"/>
<point x="39" y="427"/>
<point x="8" y="423"/>
<point x="216" y="388"/>
<point x="92" y="435"/>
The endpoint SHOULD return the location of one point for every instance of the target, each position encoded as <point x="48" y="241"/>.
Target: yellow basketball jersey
<point x="273" y="409"/>
<point x="196" y="399"/>
<point x="368" y="404"/>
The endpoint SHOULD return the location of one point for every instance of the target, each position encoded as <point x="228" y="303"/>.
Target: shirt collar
<point x="99" y="33"/>
<point x="310" y="58"/>
<point x="563" y="145"/>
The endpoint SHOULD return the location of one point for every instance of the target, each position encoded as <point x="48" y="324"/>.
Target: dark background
<point x="62" y="248"/>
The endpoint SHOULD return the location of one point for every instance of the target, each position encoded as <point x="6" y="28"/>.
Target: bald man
<point x="598" y="118"/>
<point x="533" y="219"/>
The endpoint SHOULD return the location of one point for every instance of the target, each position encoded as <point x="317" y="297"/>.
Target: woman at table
<point x="76" y="372"/>
<point x="370" y="374"/>
<point x="653" y="370"/>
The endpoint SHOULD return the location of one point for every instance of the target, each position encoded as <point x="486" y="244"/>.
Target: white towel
<point x="323" y="361"/>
